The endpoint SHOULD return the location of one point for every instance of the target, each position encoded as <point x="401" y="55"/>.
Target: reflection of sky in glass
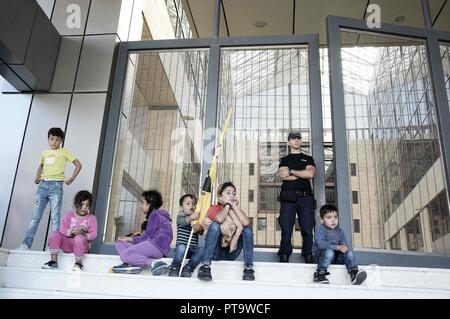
<point x="358" y="67"/>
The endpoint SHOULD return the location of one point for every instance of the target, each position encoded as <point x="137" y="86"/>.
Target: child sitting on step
<point x="331" y="247"/>
<point x="139" y="252"/>
<point x="184" y="229"/>
<point x="78" y="229"/>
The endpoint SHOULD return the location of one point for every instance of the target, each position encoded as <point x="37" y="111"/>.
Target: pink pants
<point x="141" y="254"/>
<point x="77" y="245"/>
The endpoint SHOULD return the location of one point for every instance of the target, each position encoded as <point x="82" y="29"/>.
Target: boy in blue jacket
<point x="331" y="247"/>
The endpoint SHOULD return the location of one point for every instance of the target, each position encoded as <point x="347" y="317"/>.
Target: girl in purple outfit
<point x="139" y="252"/>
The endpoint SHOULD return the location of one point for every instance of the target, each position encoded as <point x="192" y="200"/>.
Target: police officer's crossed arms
<point x="296" y="170"/>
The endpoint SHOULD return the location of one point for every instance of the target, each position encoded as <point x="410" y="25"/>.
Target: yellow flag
<point x="204" y="201"/>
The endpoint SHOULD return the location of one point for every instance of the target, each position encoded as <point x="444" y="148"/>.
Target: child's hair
<point x="225" y="185"/>
<point x="328" y="208"/>
<point x="186" y="196"/>
<point x="81" y="196"/>
<point x="56" y="131"/>
<point x="154" y="199"/>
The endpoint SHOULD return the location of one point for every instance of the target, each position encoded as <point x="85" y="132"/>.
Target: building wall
<point x="76" y="102"/>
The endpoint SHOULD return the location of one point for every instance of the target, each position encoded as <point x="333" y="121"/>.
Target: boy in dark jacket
<point x="331" y="247"/>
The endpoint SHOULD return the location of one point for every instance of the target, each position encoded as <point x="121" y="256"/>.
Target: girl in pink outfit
<point x="77" y="230"/>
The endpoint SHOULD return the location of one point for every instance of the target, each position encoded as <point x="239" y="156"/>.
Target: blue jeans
<point x="325" y="258"/>
<point x="304" y="207"/>
<point x="214" y="249"/>
<point x="47" y="191"/>
<point x="194" y="254"/>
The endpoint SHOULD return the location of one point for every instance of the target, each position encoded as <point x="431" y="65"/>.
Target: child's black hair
<point x="81" y="196"/>
<point x="186" y="196"/>
<point x="328" y="208"/>
<point x="56" y="131"/>
<point x="225" y="185"/>
<point x="154" y="199"/>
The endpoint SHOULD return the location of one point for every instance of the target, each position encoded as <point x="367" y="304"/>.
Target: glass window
<point x="353" y="169"/>
<point x="251" y="169"/>
<point x="395" y="242"/>
<point x="355" y="197"/>
<point x="262" y="223"/>
<point x="251" y="194"/>
<point x="392" y="142"/>
<point x="157" y="140"/>
<point x="414" y="234"/>
<point x="439" y="216"/>
<point x="356" y="226"/>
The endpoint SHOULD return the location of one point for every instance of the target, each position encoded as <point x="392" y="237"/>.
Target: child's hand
<point x="69" y="181"/>
<point x="37" y="180"/>
<point x="83" y="228"/>
<point x="198" y="229"/>
<point x="195" y="215"/>
<point x="343" y="248"/>
<point x="77" y="231"/>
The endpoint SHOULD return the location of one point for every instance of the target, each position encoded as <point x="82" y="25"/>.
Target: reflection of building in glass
<point x="391" y="131"/>
<point x="161" y="124"/>
<point x="268" y="89"/>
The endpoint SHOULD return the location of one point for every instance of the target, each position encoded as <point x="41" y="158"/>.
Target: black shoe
<point x="357" y="277"/>
<point x="309" y="259"/>
<point x="186" y="272"/>
<point x="159" y="268"/>
<point x="126" y="269"/>
<point x="204" y="273"/>
<point x="50" y="265"/>
<point x="249" y="274"/>
<point x="77" y="267"/>
<point x="284" y="258"/>
<point x="320" y="276"/>
<point x="174" y="271"/>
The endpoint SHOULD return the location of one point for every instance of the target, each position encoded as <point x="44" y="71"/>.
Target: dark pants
<point x="304" y="208"/>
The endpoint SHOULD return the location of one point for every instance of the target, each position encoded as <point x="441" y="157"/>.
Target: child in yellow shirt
<point x="50" y="177"/>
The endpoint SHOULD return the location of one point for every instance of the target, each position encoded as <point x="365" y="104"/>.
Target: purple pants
<point x="77" y="245"/>
<point x="140" y="254"/>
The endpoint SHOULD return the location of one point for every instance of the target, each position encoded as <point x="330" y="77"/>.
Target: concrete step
<point x="267" y="272"/>
<point x="145" y="285"/>
<point x="17" y="293"/>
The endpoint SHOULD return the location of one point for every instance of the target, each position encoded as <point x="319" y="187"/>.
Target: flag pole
<point x="204" y="200"/>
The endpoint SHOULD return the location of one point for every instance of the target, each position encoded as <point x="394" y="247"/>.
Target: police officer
<point x="296" y="196"/>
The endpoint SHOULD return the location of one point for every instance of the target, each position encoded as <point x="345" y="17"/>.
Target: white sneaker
<point x="23" y="247"/>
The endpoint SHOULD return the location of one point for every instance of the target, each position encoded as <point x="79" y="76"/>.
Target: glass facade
<point x="269" y="90"/>
<point x="445" y="56"/>
<point x="393" y="146"/>
<point x="439" y="223"/>
<point x="179" y="19"/>
<point x="393" y="143"/>
<point x="160" y="133"/>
